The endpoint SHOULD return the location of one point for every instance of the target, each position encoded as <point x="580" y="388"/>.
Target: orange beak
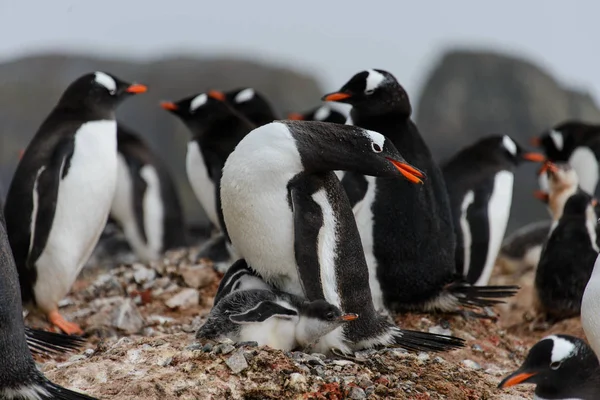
<point x="349" y="317"/>
<point x="515" y="379"/>
<point x="339" y="96"/>
<point x="137" y="88"/>
<point x="541" y="195"/>
<point x="21" y="152"/>
<point x="295" y="116"/>
<point x="167" y="105"/>
<point x="215" y="94"/>
<point x="408" y="171"/>
<point x="535" y="141"/>
<point x="548" y="166"/>
<point x="535" y="157"/>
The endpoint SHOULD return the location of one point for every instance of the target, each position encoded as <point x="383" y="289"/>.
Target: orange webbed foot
<point x="70" y="328"/>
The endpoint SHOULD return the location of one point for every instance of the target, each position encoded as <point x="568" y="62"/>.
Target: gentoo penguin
<point x="62" y="190"/>
<point x="19" y="376"/>
<point x="567" y="260"/>
<point x="562" y="367"/>
<point x="251" y="104"/>
<point x="480" y="182"/>
<point x="590" y="309"/>
<point x="216" y="129"/>
<point x="239" y="277"/>
<point x="323" y="113"/>
<point x="577" y="143"/>
<point x="397" y="220"/>
<point x="522" y="249"/>
<point x="288" y="217"/>
<point x="272" y="318"/>
<point x="146" y="204"/>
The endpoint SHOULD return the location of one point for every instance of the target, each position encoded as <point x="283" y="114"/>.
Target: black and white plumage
<point x="590" y="308"/>
<point x="251" y="104"/>
<point x="62" y="190"/>
<point x="288" y="217"/>
<point x="522" y="249"/>
<point x="146" y="205"/>
<point x="398" y="221"/>
<point x="576" y="143"/>
<point x="567" y="260"/>
<point x="480" y="182"/>
<point x="239" y="277"/>
<point x="324" y="113"/>
<point x="272" y="318"/>
<point x="562" y="367"/>
<point x="19" y="377"/>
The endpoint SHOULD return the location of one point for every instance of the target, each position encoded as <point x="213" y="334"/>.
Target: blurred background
<point x="471" y="68"/>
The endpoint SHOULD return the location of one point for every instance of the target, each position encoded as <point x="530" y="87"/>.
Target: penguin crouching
<point x="289" y="219"/>
<point x="146" y="205"/>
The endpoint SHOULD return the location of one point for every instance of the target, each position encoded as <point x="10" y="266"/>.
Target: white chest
<point x="278" y="333"/>
<point x="84" y="199"/>
<point x="203" y="187"/>
<point x="584" y="162"/>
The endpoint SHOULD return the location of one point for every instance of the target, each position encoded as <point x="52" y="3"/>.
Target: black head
<point x="199" y="108"/>
<point x="559" y="142"/>
<point x="252" y="105"/>
<point x="555" y="363"/>
<point x="330" y="147"/>
<point x="373" y="92"/>
<point x="579" y="203"/>
<point x="503" y="148"/>
<point x="323" y="114"/>
<point x="324" y="311"/>
<point x="98" y="90"/>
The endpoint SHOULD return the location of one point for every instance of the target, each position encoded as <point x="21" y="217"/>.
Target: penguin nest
<point x="142" y="319"/>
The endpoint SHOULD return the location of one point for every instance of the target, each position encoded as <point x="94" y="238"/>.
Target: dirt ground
<point x="141" y="322"/>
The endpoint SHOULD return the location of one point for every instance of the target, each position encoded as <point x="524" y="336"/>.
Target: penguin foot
<point x="70" y="328"/>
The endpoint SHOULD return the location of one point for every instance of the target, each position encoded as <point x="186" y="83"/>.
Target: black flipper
<point x="56" y="392"/>
<point x="262" y="312"/>
<point x="49" y="342"/>
<point x="425" y="341"/>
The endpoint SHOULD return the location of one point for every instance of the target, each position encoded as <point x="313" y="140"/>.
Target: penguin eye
<point x="369" y="92"/>
<point x="330" y="316"/>
<point x="555" y="365"/>
<point x="376" y="148"/>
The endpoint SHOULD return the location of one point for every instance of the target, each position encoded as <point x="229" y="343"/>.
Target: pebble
<point x="126" y="316"/>
<point x="237" y="362"/>
<point x="198" y="276"/>
<point x="226" y="348"/>
<point x="297" y="382"/>
<point x="439" y="330"/>
<point x="165" y="362"/>
<point x="144" y="275"/>
<point x="89" y="352"/>
<point x="342" y="363"/>
<point x="195" y="346"/>
<point x="186" y="298"/>
<point x="423" y="357"/>
<point x="471" y="364"/>
<point x="477" y="348"/>
<point x="226" y="341"/>
<point x="356" y="393"/>
<point x="363" y="381"/>
<point x="207" y="348"/>
<point x="246" y="344"/>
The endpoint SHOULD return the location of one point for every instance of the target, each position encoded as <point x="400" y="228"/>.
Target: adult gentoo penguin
<point x="577" y="143"/>
<point x="567" y="261"/>
<point x="288" y="217"/>
<point x="146" y="204"/>
<point x="397" y="220"/>
<point x="272" y="318"/>
<point x="480" y="182"/>
<point x="323" y="113"/>
<point x="562" y="367"/>
<point x="19" y="376"/>
<point x="61" y="193"/>
<point x="590" y="309"/>
<point x="251" y="104"/>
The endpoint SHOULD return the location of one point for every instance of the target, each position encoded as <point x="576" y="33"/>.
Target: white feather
<point x="590" y="309"/>
<point x="106" y="81"/>
<point x="509" y="145"/>
<point x="466" y="230"/>
<point x="35" y="199"/>
<point x="557" y="138"/>
<point x="202" y="185"/>
<point x="561" y="349"/>
<point x="322" y="113"/>
<point x="30" y="392"/>
<point x="84" y="199"/>
<point x="153" y="211"/>
<point x="198" y="102"/>
<point x="585" y="164"/>
<point x="244" y="95"/>
<point x="374" y="79"/>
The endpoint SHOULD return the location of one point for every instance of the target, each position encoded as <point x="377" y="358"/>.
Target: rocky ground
<point x="141" y="321"/>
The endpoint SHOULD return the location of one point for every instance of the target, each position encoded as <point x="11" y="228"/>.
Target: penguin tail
<point x="49" y="342"/>
<point x="56" y="392"/>
<point x="481" y="296"/>
<point x="43" y="389"/>
<point x="425" y="341"/>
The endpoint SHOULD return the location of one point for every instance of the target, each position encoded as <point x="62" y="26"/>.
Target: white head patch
<point x="375" y="137"/>
<point x="198" y="102"/>
<point x="561" y="349"/>
<point x="558" y="139"/>
<point x="509" y="145"/>
<point x="244" y="95"/>
<point x="322" y="113"/>
<point x="105" y="80"/>
<point x="374" y="79"/>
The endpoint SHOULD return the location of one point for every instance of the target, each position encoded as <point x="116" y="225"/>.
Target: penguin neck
<point x="84" y="112"/>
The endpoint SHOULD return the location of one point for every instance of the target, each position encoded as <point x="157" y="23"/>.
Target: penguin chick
<point x="561" y="367"/>
<point x="272" y="318"/>
<point x="567" y="260"/>
<point x="239" y="277"/>
<point x="562" y="184"/>
<point x="323" y="113"/>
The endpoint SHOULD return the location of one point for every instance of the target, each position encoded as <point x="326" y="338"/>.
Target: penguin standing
<point x="146" y="204"/>
<point x="561" y="367"/>
<point x="577" y="143"/>
<point x="288" y="217"/>
<point x="272" y="318"/>
<point x="323" y="113"/>
<point x="590" y="309"/>
<point x="251" y="104"/>
<point x="480" y="182"/>
<point x="62" y="190"/>
<point x="406" y="230"/>
<point x="567" y="260"/>
<point x="19" y="376"/>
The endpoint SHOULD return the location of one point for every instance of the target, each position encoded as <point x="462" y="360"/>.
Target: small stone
<point x="297" y="382"/>
<point x="246" y="344"/>
<point x="198" y="276"/>
<point x="165" y="362"/>
<point x="226" y="341"/>
<point x="207" y="348"/>
<point x="144" y="275"/>
<point x="342" y="363"/>
<point x="439" y="330"/>
<point x="423" y="357"/>
<point x="195" y="346"/>
<point x="226" y="348"/>
<point x="77" y="357"/>
<point x="237" y="362"/>
<point x="363" y="381"/>
<point x="471" y="364"/>
<point x="312" y="360"/>
<point x="89" y="352"/>
<point x="356" y="393"/>
<point x="186" y="298"/>
<point x="477" y="348"/>
<point x="319" y="355"/>
<point x="126" y="317"/>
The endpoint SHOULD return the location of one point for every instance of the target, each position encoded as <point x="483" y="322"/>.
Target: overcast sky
<point x="333" y="39"/>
